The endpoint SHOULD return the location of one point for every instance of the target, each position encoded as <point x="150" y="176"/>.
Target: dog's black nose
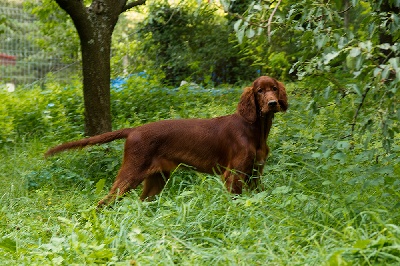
<point x="272" y="103"/>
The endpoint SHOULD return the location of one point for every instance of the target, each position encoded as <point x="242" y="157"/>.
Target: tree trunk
<point x="96" y="50"/>
<point x="95" y="25"/>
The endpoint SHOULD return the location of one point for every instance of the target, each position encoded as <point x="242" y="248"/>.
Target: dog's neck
<point x="263" y="124"/>
<point x="265" y="121"/>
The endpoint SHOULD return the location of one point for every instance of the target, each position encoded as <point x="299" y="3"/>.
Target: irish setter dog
<point x="232" y="145"/>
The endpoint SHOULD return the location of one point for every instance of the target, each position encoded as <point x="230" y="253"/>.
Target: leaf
<point x="385" y="46"/>
<point x="339" y="156"/>
<point x="136" y="236"/>
<point x="186" y="193"/>
<point x="8" y="244"/>
<point x="225" y="5"/>
<point x="359" y="62"/>
<point x="357" y="180"/>
<point x="328" y="57"/>
<point x="250" y="33"/>
<point x="336" y="259"/>
<point x="237" y="24"/>
<point x="351" y="198"/>
<point x="327" y="92"/>
<point x="386" y="72"/>
<point x="327" y="153"/>
<point x="257" y="7"/>
<point x="367" y="45"/>
<point x="377" y="71"/>
<point x="383" y="170"/>
<point x="356" y="89"/>
<point x="316" y="155"/>
<point x="362" y="244"/>
<point x="281" y="190"/>
<point x="240" y="35"/>
<point x="55" y="244"/>
<point x="395" y="63"/>
<point x="321" y="40"/>
<point x="101" y="253"/>
<point x="100" y="185"/>
<point x="343" y="145"/>
<point x="302" y="197"/>
<point x="57" y="260"/>
<point x="350" y="62"/>
<point x="355" y="52"/>
<point x="65" y="220"/>
<point x="375" y="182"/>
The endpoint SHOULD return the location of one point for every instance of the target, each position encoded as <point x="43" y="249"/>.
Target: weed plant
<point x="328" y="199"/>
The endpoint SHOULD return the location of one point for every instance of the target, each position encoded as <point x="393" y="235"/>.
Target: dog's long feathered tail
<point x="98" y="139"/>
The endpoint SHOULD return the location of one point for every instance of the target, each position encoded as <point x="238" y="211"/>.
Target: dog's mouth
<point x="270" y="109"/>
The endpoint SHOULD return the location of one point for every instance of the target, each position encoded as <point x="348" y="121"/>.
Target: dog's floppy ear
<point x="283" y="102"/>
<point x="247" y="105"/>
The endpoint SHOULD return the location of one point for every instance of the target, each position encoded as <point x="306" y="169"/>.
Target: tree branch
<point x="261" y="23"/>
<point x="133" y="4"/>
<point x="271" y="17"/>
<point x="71" y="7"/>
<point x="78" y="12"/>
<point x="339" y="13"/>
<point x="364" y="95"/>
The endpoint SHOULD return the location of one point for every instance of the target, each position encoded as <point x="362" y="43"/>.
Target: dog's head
<point x="267" y="95"/>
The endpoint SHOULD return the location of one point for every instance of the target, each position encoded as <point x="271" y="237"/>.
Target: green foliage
<point x="144" y="100"/>
<point x="331" y="197"/>
<point x="3" y="23"/>
<point x="278" y="65"/>
<point x="192" y="42"/>
<point x="327" y="200"/>
<point x="59" y="37"/>
<point x="185" y="41"/>
<point x="342" y="49"/>
<point x="49" y="110"/>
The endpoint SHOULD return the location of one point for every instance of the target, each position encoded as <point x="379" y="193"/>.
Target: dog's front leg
<point x="233" y="181"/>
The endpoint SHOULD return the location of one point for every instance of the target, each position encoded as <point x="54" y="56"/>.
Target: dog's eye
<point x="274" y="88"/>
<point x="259" y="90"/>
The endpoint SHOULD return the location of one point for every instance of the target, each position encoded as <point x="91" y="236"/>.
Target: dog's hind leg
<point x="153" y="185"/>
<point x="124" y="182"/>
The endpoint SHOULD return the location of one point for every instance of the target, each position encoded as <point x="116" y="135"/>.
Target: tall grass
<point x="327" y="200"/>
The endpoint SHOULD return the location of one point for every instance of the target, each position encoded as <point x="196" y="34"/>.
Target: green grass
<point x="327" y="201"/>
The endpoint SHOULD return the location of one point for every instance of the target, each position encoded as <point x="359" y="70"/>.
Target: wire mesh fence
<point x="22" y="61"/>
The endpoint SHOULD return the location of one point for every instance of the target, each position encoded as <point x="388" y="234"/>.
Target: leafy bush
<point x="343" y="50"/>
<point x="37" y="112"/>
<point x="142" y="100"/>
<point x="192" y="42"/>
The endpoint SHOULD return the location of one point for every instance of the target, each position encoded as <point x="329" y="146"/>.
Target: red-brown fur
<point x="233" y="145"/>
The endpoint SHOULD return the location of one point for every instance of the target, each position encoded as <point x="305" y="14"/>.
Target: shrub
<point x="53" y="110"/>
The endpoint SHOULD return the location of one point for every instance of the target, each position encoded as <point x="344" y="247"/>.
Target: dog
<point x="232" y="145"/>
